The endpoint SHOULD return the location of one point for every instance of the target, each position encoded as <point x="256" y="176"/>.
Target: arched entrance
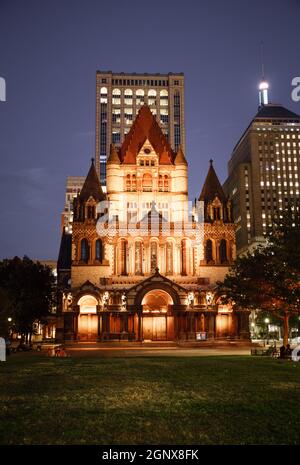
<point x="87" y="319"/>
<point x="158" y="319"/>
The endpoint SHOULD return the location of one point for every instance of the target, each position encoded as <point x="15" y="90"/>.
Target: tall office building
<point x="73" y="187"/>
<point x="263" y="171"/>
<point x="119" y="96"/>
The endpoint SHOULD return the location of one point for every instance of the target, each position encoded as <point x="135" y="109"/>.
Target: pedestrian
<point x="288" y="351"/>
<point x="282" y="351"/>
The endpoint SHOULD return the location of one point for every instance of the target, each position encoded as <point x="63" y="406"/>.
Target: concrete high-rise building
<point x="119" y="96"/>
<point x="73" y="187"/>
<point x="263" y="171"/>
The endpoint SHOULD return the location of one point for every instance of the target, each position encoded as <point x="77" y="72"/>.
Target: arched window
<point x="151" y="97"/>
<point x="124" y="254"/>
<point x="140" y="97"/>
<point x="217" y="213"/>
<point x="81" y="212"/>
<point x="138" y="255"/>
<point x="147" y="182"/>
<point x="99" y="250"/>
<point x="133" y="182"/>
<point x="103" y="95"/>
<point x="128" y="182"/>
<point x="153" y="256"/>
<point x="223" y="251"/>
<point x="164" y="97"/>
<point x="184" y="257"/>
<point x="208" y="251"/>
<point x="116" y="96"/>
<point x="160" y="183"/>
<point x="128" y="96"/>
<point x="90" y="212"/>
<point x="169" y="258"/>
<point x="84" y="254"/>
<point x="166" y="183"/>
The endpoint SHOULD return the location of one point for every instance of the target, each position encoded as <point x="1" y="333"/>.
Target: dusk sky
<point x="49" y="54"/>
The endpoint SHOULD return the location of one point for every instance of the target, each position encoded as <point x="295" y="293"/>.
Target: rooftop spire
<point x="212" y="187"/>
<point x="92" y="186"/>
<point x="263" y="85"/>
<point x="180" y="158"/>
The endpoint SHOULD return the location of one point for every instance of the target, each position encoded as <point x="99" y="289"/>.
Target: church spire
<point x="92" y="186"/>
<point x="212" y="187"/>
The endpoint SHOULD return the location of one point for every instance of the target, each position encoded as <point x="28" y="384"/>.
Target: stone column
<point x="211" y="325"/>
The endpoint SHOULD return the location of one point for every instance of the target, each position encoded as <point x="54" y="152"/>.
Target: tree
<point x="28" y="287"/>
<point x="269" y="277"/>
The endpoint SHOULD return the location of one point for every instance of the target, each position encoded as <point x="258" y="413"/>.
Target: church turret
<point x="90" y="195"/>
<point x="180" y="158"/>
<point x="212" y="194"/>
<point x="113" y="158"/>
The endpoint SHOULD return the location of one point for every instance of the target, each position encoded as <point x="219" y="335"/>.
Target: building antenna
<point x="263" y="85"/>
<point x="262" y="60"/>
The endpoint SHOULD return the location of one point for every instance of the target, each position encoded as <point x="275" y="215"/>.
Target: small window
<point x="99" y="250"/>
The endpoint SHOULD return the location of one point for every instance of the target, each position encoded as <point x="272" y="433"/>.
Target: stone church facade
<point x="142" y="263"/>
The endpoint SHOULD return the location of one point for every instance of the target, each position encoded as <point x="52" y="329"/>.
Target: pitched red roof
<point x="145" y="127"/>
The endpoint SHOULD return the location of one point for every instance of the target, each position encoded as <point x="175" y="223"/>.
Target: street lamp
<point x="267" y="321"/>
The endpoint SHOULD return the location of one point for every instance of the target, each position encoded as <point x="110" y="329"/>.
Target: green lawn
<point x="205" y="400"/>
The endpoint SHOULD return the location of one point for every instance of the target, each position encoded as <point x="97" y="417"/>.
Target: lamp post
<point x="267" y="321"/>
<point x="252" y="329"/>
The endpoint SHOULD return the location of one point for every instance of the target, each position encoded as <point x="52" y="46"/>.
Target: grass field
<point x="205" y="400"/>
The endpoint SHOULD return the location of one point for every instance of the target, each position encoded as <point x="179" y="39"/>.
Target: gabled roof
<point x="157" y="278"/>
<point x="272" y="110"/>
<point x="212" y="186"/>
<point x="65" y="252"/>
<point x="145" y="127"/>
<point x="92" y="186"/>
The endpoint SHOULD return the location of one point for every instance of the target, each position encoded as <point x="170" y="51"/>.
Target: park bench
<point x="269" y="352"/>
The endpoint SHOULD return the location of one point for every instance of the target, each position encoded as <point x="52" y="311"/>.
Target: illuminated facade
<point x="142" y="263"/>
<point x="264" y="171"/>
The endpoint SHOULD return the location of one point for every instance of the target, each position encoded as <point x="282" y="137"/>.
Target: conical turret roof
<point x="92" y="186"/>
<point x="212" y="187"/>
<point x="113" y="156"/>
<point x="180" y="158"/>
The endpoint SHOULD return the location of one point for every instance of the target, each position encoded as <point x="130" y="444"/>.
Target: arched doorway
<point x="87" y="319"/>
<point x="158" y="319"/>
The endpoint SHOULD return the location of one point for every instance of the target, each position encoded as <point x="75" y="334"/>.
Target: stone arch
<point x="162" y="286"/>
<point x="87" y="303"/>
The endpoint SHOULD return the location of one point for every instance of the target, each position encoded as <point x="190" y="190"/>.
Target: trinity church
<point x="142" y="262"/>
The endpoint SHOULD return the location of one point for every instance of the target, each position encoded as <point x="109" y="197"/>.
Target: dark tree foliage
<point x="26" y="293"/>
<point x="268" y="278"/>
